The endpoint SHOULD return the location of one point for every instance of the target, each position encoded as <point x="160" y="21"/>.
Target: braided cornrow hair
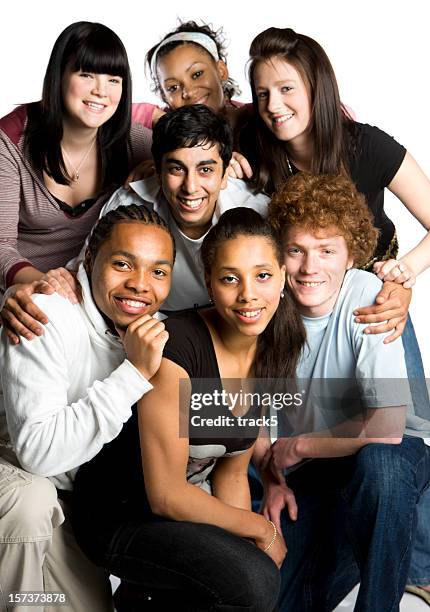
<point x="102" y="231"/>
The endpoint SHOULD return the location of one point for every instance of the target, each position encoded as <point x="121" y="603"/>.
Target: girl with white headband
<point x="188" y="67"/>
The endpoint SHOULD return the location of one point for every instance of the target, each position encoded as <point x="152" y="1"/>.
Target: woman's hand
<point x="21" y="317"/>
<point x="396" y="271"/>
<point x="239" y="166"/>
<point x="273" y="544"/>
<point x="64" y="283"/>
<point x="392" y="305"/>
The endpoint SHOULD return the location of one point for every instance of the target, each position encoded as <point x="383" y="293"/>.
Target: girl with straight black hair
<point x="62" y="157"/>
<point x="182" y="536"/>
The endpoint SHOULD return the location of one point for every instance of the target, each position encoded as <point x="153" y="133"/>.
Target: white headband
<point x="199" y="38"/>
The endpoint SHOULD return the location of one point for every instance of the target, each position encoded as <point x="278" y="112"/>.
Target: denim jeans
<point x="419" y="572"/>
<point x="357" y="519"/>
<point x="415" y="369"/>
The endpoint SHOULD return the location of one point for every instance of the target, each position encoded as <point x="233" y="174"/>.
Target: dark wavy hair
<point x="231" y="88"/>
<point x="90" y="47"/>
<point x="191" y="126"/>
<point x="102" y="231"/>
<point x="280" y="344"/>
<point x="330" y="125"/>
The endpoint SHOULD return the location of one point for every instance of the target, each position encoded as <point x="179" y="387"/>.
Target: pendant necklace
<point x="76" y="169"/>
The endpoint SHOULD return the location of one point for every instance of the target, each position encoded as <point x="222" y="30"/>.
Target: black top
<point x="373" y="166"/>
<point x="111" y="486"/>
<point x="75" y="211"/>
<point x="374" y="160"/>
<point x="190" y="346"/>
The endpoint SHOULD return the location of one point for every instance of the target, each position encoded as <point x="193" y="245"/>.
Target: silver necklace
<point x="76" y="169"/>
<point x="289" y="165"/>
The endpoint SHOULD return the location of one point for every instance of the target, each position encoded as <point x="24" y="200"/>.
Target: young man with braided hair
<point x="69" y="392"/>
<point x="351" y="508"/>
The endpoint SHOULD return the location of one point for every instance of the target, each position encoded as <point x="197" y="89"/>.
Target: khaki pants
<point x="38" y="551"/>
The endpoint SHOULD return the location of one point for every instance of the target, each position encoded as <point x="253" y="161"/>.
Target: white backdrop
<point x="380" y="51"/>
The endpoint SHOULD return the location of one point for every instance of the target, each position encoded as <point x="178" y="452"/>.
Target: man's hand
<point x="277" y="496"/>
<point x="21" y="317"/>
<point x="281" y="455"/>
<point x="144" y="342"/>
<point x="392" y="304"/>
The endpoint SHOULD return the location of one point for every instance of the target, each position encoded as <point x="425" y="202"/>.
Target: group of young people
<point x="96" y="474"/>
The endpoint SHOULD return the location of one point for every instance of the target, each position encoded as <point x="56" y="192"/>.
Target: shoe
<point x="419" y="592"/>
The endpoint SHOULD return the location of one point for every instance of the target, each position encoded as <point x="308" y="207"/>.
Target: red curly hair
<point x="323" y="201"/>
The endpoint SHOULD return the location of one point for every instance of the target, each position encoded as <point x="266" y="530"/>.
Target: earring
<point x="282" y="294"/>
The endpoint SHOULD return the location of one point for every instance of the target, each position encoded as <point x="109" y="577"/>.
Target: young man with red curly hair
<point x="351" y="507"/>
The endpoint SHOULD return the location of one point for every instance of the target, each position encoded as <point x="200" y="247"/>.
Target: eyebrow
<point x="232" y="269"/>
<point x="178" y="162"/>
<point x="327" y="242"/>
<point x="280" y="82"/>
<point x="186" y="70"/>
<point x="123" y="254"/>
<point x="159" y="262"/>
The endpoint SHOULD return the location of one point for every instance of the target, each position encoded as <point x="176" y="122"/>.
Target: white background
<point x="379" y="49"/>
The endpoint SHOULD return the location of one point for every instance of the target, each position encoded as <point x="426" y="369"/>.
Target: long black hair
<point x="330" y="125"/>
<point x="280" y="344"/>
<point x="90" y="47"/>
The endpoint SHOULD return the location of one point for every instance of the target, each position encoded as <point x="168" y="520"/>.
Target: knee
<point x="260" y="581"/>
<point x="28" y="504"/>
<point x="384" y="470"/>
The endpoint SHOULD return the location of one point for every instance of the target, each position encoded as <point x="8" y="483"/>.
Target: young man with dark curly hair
<point x="351" y="507"/>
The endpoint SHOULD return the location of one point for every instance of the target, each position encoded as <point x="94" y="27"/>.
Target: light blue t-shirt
<point x="345" y="372"/>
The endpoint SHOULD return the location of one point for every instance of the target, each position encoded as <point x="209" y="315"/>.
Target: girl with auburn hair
<point x="182" y="534"/>
<point x="61" y="158"/>
<point x="299" y="124"/>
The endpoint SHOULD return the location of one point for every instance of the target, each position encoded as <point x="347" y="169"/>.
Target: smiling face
<point x="246" y="281"/>
<point x="191" y="179"/>
<point x="315" y="268"/>
<point x="132" y="272"/>
<point x="189" y="75"/>
<point x="90" y="99"/>
<point x="283" y="100"/>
